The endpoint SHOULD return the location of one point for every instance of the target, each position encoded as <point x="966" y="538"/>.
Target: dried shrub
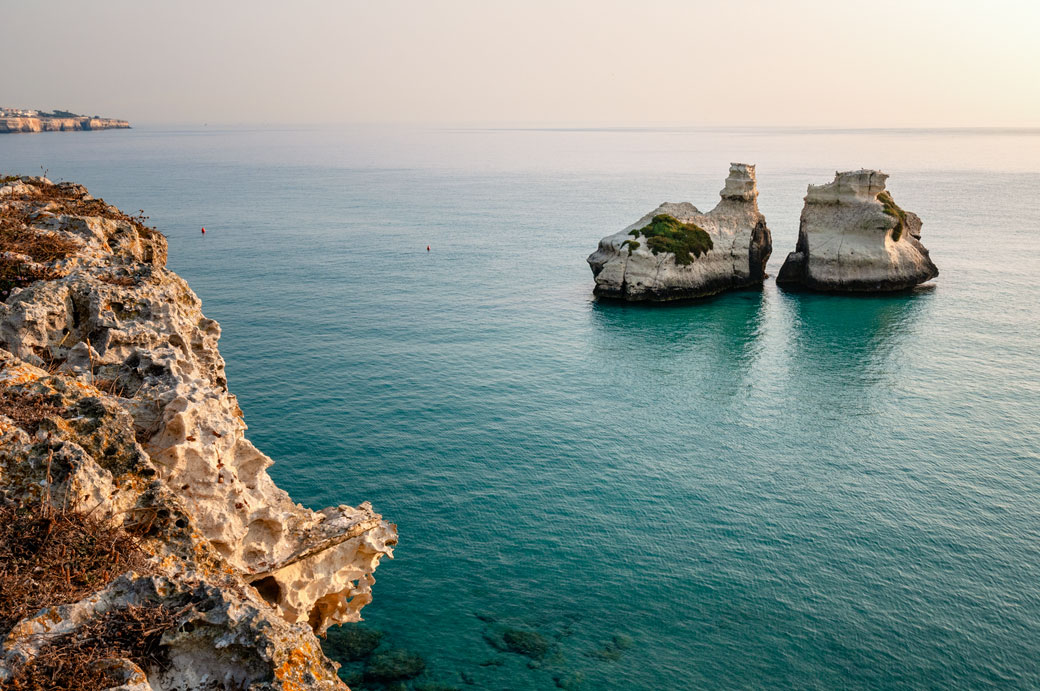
<point x="18" y="274"/>
<point x="69" y="199"/>
<point x="81" y="659"/>
<point x="112" y="387"/>
<point x="26" y="409"/>
<point x="50" y="557"/>
<point x="16" y="235"/>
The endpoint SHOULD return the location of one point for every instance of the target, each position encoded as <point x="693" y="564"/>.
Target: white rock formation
<point x="854" y="238"/>
<point x="110" y="325"/>
<point x="36" y="124"/>
<point x="626" y="265"/>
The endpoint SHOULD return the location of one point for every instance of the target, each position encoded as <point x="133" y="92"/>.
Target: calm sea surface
<point x="761" y="490"/>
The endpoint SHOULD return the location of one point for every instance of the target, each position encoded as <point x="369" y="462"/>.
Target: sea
<point x="761" y="490"/>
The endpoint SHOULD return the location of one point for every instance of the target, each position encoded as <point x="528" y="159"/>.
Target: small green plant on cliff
<point x="632" y="245"/>
<point x="668" y="234"/>
<point x="893" y="210"/>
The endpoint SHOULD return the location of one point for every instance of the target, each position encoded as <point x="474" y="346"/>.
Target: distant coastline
<point x="13" y="120"/>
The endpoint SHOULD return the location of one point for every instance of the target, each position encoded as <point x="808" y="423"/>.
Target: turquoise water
<point x="758" y="490"/>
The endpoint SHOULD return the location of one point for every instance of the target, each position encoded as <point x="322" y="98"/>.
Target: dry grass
<point x="16" y="235"/>
<point x="17" y="274"/>
<point x="78" y="660"/>
<point x="68" y="201"/>
<point x="110" y="386"/>
<point x="50" y="557"/>
<point x="26" y="409"/>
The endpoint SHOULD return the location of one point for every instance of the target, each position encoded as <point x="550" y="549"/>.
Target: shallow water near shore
<point x="763" y="489"/>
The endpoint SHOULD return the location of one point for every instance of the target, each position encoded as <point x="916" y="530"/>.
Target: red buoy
<point x="203" y="231"/>
<point x="427" y="248"/>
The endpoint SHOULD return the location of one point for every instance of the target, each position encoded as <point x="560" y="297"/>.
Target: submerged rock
<point x="613" y="649"/>
<point x="529" y="643"/>
<point x="676" y="252"/>
<point x="520" y="641"/>
<point x="393" y="665"/>
<point x="853" y="237"/>
<point x="352" y="642"/>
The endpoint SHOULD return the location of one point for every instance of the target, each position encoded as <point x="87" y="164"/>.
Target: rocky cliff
<point x="60" y="124"/>
<point x="123" y="456"/>
<point x="853" y="237"/>
<point x="676" y="252"/>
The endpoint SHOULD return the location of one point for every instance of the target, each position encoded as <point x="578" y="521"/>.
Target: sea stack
<point x="675" y="252"/>
<point x="853" y="237"/>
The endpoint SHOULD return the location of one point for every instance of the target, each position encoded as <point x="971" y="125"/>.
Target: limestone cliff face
<point x="60" y="124"/>
<point x="139" y="421"/>
<point x="730" y="243"/>
<point x="854" y="238"/>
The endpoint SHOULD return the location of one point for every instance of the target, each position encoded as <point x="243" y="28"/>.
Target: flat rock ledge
<point x="628" y="265"/>
<point x="114" y="404"/>
<point x="854" y="238"/>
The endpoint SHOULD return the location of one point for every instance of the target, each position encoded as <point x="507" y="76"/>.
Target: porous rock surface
<point x="741" y="245"/>
<point x="146" y="429"/>
<point x="849" y="240"/>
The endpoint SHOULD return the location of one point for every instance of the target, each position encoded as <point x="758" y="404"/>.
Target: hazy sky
<point x="692" y="62"/>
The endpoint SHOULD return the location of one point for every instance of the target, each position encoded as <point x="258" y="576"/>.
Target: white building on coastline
<point x="17" y="113"/>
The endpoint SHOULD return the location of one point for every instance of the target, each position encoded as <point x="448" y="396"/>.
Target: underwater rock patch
<point x="613" y="649"/>
<point x="351" y="642"/>
<point x="394" y="665"/>
<point x="530" y="643"/>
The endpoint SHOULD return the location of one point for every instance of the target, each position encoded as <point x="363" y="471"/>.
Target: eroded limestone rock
<point x="676" y="252"/>
<point x="132" y="419"/>
<point x="854" y="238"/>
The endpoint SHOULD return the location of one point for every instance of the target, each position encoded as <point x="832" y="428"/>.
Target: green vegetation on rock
<point x="631" y="245"/>
<point x="668" y="234"/>
<point x="893" y="210"/>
